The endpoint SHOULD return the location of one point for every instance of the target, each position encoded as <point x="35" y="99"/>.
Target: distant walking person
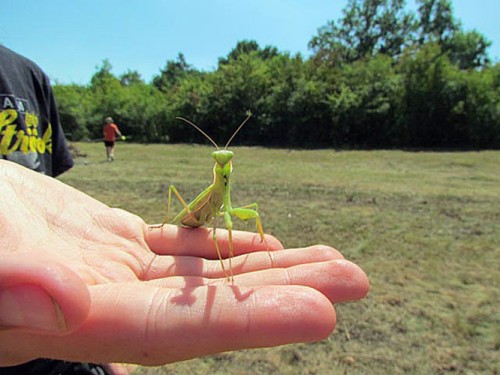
<point x="110" y="132"/>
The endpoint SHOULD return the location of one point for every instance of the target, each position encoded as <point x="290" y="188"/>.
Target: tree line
<point x="381" y="76"/>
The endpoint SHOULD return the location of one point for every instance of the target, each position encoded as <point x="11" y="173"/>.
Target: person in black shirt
<point x="30" y="132"/>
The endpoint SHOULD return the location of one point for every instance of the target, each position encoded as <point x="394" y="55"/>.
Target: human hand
<point x="80" y="281"/>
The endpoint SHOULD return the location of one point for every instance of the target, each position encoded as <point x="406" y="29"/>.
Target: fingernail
<point x="29" y="306"/>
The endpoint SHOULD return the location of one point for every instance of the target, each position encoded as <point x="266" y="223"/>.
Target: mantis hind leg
<point x="185" y="206"/>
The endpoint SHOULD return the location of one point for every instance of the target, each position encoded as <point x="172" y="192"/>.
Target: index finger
<point x="175" y="240"/>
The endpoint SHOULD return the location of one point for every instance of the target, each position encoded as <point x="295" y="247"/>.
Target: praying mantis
<point x="215" y="201"/>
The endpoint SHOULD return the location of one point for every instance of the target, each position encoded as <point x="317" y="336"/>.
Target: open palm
<point x="84" y="282"/>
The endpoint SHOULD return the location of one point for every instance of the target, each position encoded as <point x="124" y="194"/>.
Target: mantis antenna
<point x="249" y="114"/>
<point x="201" y="131"/>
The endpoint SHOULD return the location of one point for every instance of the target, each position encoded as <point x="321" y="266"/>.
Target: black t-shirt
<point x="30" y="132"/>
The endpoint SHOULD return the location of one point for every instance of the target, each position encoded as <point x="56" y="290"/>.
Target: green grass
<point x="425" y="227"/>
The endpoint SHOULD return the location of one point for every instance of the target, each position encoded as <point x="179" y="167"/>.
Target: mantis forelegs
<point x="250" y="211"/>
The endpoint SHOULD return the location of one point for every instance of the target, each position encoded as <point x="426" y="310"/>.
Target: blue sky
<point x="69" y="39"/>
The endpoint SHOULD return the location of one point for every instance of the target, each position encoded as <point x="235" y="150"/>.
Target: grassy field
<point x="424" y="226"/>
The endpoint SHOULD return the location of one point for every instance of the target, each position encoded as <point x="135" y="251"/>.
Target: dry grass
<point x="424" y="226"/>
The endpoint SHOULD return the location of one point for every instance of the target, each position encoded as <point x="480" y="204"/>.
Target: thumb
<point x="43" y="297"/>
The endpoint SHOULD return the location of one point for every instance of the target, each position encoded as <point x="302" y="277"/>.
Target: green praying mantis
<point x="215" y="201"/>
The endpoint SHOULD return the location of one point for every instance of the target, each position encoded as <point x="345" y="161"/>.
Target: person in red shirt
<point x="110" y="131"/>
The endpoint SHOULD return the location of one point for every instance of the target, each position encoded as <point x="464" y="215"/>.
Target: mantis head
<point x="222" y="157"/>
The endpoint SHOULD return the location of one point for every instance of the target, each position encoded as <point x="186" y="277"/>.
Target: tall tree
<point x="437" y="24"/>
<point x="131" y="77"/>
<point x="172" y="73"/>
<point x="468" y="50"/>
<point x="436" y="21"/>
<point x="74" y="105"/>
<point x="364" y="106"/>
<point x="106" y="91"/>
<point x="368" y="27"/>
<point x="102" y="74"/>
<point x="244" y="47"/>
